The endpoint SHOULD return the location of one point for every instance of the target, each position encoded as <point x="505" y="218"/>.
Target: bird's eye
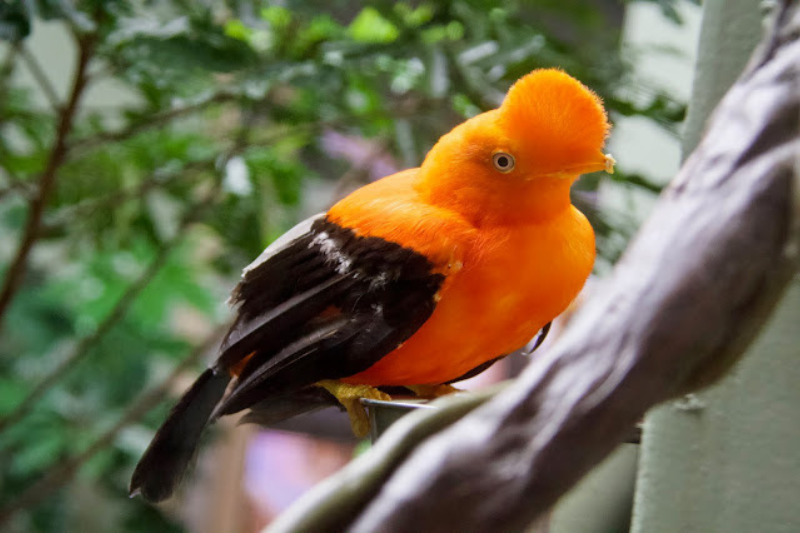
<point x="503" y="162"/>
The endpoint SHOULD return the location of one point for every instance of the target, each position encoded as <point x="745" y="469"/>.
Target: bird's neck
<point x="486" y="204"/>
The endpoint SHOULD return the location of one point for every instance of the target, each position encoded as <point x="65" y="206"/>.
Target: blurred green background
<point x="150" y="149"/>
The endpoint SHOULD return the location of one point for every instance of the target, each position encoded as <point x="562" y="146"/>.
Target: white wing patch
<point x="332" y="251"/>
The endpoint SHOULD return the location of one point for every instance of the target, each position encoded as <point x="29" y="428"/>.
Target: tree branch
<point x="193" y="214"/>
<point x="90" y="206"/>
<point x="16" y="185"/>
<point x="153" y="121"/>
<point x="47" y="181"/>
<point x="41" y="78"/>
<point x="86" y="344"/>
<point x="6" y="69"/>
<point x="683" y="304"/>
<point x="62" y="474"/>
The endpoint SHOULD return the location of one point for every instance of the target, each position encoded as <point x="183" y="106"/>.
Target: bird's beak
<point x="608" y="163"/>
<point x="605" y="162"/>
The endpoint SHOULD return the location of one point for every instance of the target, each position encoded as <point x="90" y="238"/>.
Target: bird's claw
<point x="350" y="397"/>
<point x="431" y="392"/>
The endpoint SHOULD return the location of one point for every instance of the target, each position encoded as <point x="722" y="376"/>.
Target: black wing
<point x="322" y="303"/>
<point x="319" y="303"/>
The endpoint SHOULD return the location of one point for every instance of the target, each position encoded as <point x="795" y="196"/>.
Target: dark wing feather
<point x="251" y="387"/>
<point x="165" y="461"/>
<point x="342" y="302"/>
<point x="540" y="337"/>
<point x="273" y="411"/>
<point x="319" y="303"/>
<point x="264" y="332"/>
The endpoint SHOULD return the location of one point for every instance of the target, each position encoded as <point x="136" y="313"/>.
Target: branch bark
<point x="681" y="306"/>
<point x="47" y="180"/>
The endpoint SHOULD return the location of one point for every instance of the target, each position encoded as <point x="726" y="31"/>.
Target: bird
<point x="413" y="281"/>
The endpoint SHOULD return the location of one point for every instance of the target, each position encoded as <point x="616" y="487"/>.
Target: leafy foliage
<point x="157" y="205"/>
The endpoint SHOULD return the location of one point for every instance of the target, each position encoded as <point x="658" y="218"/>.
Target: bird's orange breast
<point x="512" y="281"/>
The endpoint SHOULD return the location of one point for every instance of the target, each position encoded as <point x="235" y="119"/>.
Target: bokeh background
<point x="151" y="149"/>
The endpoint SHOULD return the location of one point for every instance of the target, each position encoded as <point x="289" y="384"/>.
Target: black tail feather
<point x="161" y="468"/>
<point x="275" y="410"/>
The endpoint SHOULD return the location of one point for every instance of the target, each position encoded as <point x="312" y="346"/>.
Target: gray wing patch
<point x="282" y="242"/>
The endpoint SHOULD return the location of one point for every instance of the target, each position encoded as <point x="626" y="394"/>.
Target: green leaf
<point x="67" y="10"/>
<point x="38" y="454"/>
<point x="223" y="54"/>
<point x="237" y="30"/>
<point x="414" y="17"/>
<point x="321" y="28"/>
<point x="277" y="16"/>
<point x="11" y="394"/>
<point x="371" y="27"/>
<point x="464" y="106"/>
<point x="15" y="22"/>
<point x="453" y="31"/>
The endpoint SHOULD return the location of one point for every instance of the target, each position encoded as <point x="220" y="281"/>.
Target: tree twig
<point x="193" y="214"/>
<point x="41" y="78"/>
<point x="65" y="471"/>
<point x="6" y="69"/>
<point x="84" y="347"/>
<point x="16" y="185"/>
<point x="153" y="121"/>
<point x="47" y="181"/>
<point x="88" y="207"/>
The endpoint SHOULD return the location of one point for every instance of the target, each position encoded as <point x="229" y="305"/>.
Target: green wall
<point x="728" y="459"/>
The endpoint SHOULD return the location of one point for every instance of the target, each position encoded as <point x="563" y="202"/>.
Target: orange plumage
<point x="515" y="252"/>
<point x="417" y="279"/>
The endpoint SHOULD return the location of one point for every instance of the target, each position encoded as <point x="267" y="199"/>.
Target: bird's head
<point x="518" y="162"/>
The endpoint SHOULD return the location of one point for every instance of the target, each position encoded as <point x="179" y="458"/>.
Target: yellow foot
<point x="432" y="391"/>
<point x="350" y="398"/>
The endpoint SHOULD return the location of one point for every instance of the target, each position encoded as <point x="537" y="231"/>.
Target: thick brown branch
<point x="47" y="181"/>
<point x="62" y="474"/>
<point x="682" y="305"/>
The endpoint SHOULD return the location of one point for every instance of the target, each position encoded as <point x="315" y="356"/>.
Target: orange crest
<point x="556" y="118"/>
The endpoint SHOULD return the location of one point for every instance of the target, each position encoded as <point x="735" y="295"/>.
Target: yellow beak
<point x="605" y="163"/>
<point x="609" y="163"/>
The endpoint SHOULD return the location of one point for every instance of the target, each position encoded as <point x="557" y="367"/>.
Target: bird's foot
<point x="350" y="397"/>
<point x="431" y="392"/>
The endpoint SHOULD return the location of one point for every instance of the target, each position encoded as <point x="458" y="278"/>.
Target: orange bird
<point x="416" y="280"/>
